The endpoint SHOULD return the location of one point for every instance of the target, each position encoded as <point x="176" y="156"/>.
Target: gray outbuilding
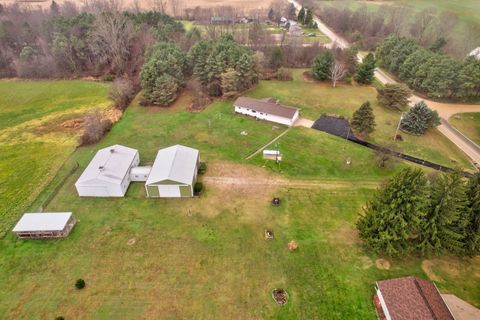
<point x="108" y="174"/>
<point x="173" y="173"/>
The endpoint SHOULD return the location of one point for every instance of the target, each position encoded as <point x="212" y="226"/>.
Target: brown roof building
<point x="410" y="298"/>
<point x="267" y="109"/>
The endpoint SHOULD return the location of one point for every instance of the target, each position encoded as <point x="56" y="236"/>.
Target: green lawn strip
<point x="315" y="99"/>
<point x="468" y="124"/>
<point x="33" y="145"/>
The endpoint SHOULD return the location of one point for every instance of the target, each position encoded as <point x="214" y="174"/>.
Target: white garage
<point x="108" y="174"/>
<point x="173" y="173"/>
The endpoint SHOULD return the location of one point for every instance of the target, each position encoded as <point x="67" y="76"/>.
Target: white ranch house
<point x="267" y="109"/>
<point x="108" y="174"/>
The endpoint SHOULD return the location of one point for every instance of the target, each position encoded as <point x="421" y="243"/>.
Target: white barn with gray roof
<point x="108" y="174"/>
<point x="173" y="173"/>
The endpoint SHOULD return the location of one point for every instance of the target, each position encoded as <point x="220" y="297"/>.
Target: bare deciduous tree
<point x="111" y="39"/>
<point x="337" y="72"/>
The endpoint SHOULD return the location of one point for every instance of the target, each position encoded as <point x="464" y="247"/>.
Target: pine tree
<point x="472" y="234"/>
<point x="322" y="64"/>
<point x="230" y="83"/>
<point x="363" y="120"/>
<point x="366" y="70"/>
<point x="291" y="12"/>
<point x="445" y="223"/>
<point x="393" y="218"/>
<point x="393" y="95"/>
<point x="419" y="119"/>
<point x="301" y="15"/>
<point x="271" y="15"/>
<point x="308" y="18"/>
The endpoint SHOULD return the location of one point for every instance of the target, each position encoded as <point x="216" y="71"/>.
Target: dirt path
<point x="280" y="182"/>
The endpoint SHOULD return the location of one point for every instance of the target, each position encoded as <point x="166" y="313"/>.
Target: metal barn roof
<point x="177" y="163"/>
<point x="52" y="221"/>
<point x="109" y="164"/>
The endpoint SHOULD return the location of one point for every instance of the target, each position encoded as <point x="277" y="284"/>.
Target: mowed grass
<point x="33" y="146"/>
<point x="206" y="258"/>
<point x="468" y="124"/>
<point x="316" y="98"/>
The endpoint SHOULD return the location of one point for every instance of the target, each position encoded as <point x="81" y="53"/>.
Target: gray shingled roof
<point x="52" y="221"/>
<point x="266" y="106"/>
<point x="177" y="163"/>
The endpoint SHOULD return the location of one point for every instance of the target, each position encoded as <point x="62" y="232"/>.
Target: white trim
<point x="383" y="304"/>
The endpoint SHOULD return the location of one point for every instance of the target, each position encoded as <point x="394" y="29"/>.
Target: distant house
<point x="475" y="53"/>
<point x="267" y="109"/>
<point x="108" y="174"/>
<point x="221" y="20"/>
<point x="173" y="173"/>
<point x="410" y="298"/>
<point x="44" y="225"/>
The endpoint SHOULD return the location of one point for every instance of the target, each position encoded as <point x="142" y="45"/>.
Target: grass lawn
<point x="316" y="98"/>
<point x="206" y="258"/>
<point x="468" y="124"/>
<point x="33" y="145"/>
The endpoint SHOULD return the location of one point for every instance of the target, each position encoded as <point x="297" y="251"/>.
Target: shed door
<point x="169" y="191"/>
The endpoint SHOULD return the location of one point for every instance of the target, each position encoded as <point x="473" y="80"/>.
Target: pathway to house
<point x="266" y="145"/>
<point x="445" y="110"/>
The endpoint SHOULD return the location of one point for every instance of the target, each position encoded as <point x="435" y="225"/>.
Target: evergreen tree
<point x="393" y="218"/>
<point x="363" y="120"/>
<point x="393" y="95"/>
<point x="419" y="119"/>
<point x="322" y="64"/>
<point x="472" y="234"/>
<point x="276" y="58"/>
<point x="291" y="12"/>
<point x="352" y="60"/>
<point x="271" y="15"/>
<point x="445" y="224"/>
<point x="301" y="15"/>
<point x="230" y="83"/>
<point x="308" y="18"/>
<point x="366" y="70"/>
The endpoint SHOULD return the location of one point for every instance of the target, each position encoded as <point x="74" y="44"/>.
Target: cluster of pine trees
<point x="412" y="213"/>
<point x="222" y="66"/>
<point x="434" y="74"/>
<point x="305" y="17"/>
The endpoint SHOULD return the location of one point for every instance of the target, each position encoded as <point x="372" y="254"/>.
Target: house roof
<point x="413" y="298"/>
<point x="267" y="106"/>
<point x="176" y="163"/>
<point x="109" y="164"/>
<point x="53" y="221"/>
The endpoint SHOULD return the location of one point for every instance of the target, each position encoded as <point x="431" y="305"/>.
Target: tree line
<point x="366" y="27"/>
<point x="414" y="213"/>
<point x="433" y="74"/>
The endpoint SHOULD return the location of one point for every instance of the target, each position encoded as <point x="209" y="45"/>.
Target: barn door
<point x="169" y="191"/>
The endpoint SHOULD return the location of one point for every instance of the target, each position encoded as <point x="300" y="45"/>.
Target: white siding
<point x="384" y="305"/>
<point x="169" y="191"/>
<point x="266" y="116"/>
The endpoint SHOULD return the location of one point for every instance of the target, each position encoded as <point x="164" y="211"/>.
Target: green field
<point x="317" y="98"/>
<point x="33" y="145"/>
<point x="468" y="124"/>
<point x="206" y="258"/>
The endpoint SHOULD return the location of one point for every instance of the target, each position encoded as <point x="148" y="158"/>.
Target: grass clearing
<point x="32" y="145"/>
<point x="315" y="98"/>
<point x="468" y="124"/>
<point x="206" y="258"/>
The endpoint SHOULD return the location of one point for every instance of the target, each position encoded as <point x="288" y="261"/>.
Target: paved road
<point x="445" y="110"/>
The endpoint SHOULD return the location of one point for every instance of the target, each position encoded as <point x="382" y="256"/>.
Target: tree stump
<point x="292" y="245"/>
<point x="280" y="296"/>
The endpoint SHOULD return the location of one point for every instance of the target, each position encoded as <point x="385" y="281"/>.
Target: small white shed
<point x="108" y="174"/>
<point x="44" y="225"/>
<point x="140" y="174"/>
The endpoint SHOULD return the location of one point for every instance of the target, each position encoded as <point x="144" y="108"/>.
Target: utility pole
<point x="398" y="127"/>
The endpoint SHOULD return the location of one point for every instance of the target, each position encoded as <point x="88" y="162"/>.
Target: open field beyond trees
<point x="206" y="257"/>
<point x="33" y="144"/>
